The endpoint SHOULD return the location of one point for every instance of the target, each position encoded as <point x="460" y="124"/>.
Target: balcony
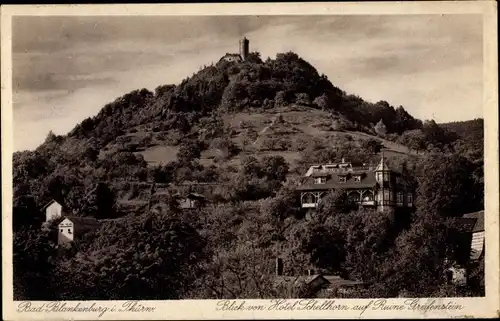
<point x="309" y="205"/>
<point x="368" y="203"/>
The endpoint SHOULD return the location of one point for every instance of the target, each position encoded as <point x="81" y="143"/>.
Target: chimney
<point x="343" y="160"/>
<point x="279" y="266"/>
<point x="310" y="272"/>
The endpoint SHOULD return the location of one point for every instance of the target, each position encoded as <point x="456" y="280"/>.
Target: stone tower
<point x="244" y="46"/>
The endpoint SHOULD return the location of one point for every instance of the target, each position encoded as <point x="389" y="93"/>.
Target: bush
<point x="280" y="99"/>
<point x="321" y="101"/>
<point x="226" y="146"/>
<point x="302" y="99"/>
<point x="278" y="144"/>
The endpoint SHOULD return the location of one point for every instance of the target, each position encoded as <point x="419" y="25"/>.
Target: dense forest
<point x="154" y="250"/>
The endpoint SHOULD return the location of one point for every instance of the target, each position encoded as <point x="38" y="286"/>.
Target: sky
<point x="67" y="68"/>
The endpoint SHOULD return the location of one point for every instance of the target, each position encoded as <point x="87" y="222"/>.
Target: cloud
<point x="67" y="68"/>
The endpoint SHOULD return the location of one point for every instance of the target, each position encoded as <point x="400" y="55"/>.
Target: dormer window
<point x="357" y="178"/>
<point x="343" y="179"/>
<point x="319" y="180"/>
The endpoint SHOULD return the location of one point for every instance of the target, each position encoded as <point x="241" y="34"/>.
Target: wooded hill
<point x="227" y="111"/>
<point x="250" y="129"/>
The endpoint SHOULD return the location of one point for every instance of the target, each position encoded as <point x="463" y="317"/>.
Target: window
<point x="410" y="199"/>
<point x="308" y="198"/>
<point x="354" y="197"/>
<point x="69" y="231"/>
<point x="357" y="178"/>
<point x="62" y="230"/>
<point x="320" y="180"/>
<point x="379" y="176"/>
<point x="342" y="179"/>
<point x="400" y="198"/>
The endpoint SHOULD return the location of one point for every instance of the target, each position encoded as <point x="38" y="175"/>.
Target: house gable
<point x="53" y="210"/>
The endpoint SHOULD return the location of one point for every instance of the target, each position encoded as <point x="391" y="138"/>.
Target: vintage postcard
<point x="250" y="161"/>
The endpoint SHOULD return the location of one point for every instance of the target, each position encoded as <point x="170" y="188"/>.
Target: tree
<point x="414" y="139"/>
<point x="302" y="99"/>
<point x="99" y="201"/>
<point x="321" y="101"/>
<point x="380" y="128"/>
<point x="189" y="151"/>
<point x="372" y="146"/>
<point x="280" y="99"/>
<point x="34" y="255"/>
<point x="367" y="237"/>
<point x="129" y="260"/>
<point x="91" y="153"/>
<point x="274" y="168"/>
<point x="446" y="186"/>
<point x="254" y="57"/>
<point x="26" y="213"/>
<point x="333" y="203"/>
<point x="417" y="261"/>
<point x="280" y="207"/>
<point x="325" y="243"/>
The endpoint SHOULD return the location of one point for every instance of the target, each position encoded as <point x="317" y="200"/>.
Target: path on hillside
<point x="398" y="148"/>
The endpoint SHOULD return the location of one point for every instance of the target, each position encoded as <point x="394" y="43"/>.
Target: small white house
<point x="72" y="228"/>
<point x="53" y="210"/>
<point x="66" y="231"/>
<point x="476" y="235"/>
<point x="192" y="200"/>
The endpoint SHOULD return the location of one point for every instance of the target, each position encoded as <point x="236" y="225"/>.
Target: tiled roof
<point x="231" y="55"/>
<point x="296" y="280"/>
<point x="462" y="224"/>
<point x="331" y="281"/>
<point x="51" y="202"/>
<point x="468" y="223"/>
<point x="479" y="220"/>
<point x="81" y="221"/>
<point x="333" y="181"/>
<point x="195" y="195"/>
<point x="320" y="174"/>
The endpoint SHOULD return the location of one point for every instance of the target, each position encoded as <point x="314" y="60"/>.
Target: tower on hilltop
<point x="244" y="47"/>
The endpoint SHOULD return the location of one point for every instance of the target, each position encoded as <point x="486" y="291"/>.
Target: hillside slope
<point x="209" y="125"/>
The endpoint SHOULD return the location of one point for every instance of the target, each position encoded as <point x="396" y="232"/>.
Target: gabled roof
<point x="298" y="280"/>
<point x="195" y="196"/>
<point x="333" y="182"/>
<point x="231" y="55"/>
<point x="189" y="195"/>
<point x="52" y="201"/>
<point x="336" y="282"/>
<point x="461" y="224"/>
<point x="468" y="223"/>
<point x="479" y="220"/>
<point x="81" y="221"/>
<point x="320" y="174"/>
<point x="331" y="281"/>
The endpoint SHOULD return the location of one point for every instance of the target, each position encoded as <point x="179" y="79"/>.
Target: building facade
<point x="244" y="49"/>
<point x="70" y="228"/>
<point x="192" y="200"/>
<point x="53" y="210"/>
<point x="378" y="187"/>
